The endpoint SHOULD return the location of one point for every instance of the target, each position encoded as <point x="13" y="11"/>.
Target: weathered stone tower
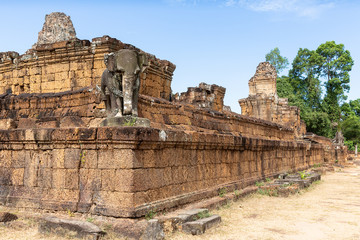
<point x="264" y="103"/>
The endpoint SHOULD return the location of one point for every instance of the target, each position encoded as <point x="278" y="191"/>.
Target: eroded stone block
<point x="199" y="227"/>
<point x="7" y="123"/>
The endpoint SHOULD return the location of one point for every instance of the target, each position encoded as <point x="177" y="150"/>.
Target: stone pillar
<point x="356" y="150"/>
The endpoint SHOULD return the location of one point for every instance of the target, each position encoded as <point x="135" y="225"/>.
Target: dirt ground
<point x="329" y="209"/>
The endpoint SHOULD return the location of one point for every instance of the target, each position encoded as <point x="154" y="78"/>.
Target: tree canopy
<point x="318" y="83"/>
<point x="278" y="61"/>
<point x="336" y="63"/>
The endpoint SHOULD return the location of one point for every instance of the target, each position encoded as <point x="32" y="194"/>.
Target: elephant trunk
<point x="128" y="91"/>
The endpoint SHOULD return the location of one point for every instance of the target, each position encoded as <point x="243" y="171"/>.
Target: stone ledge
<point x="125" y="121"/>
<point x="71" y="228"/>
<point x="199" y="227"/>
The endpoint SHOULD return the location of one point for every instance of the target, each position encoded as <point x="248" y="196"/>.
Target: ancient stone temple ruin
<point x="204" y="96"/>
<point x="56" y="154"/>
<point x="264" y="103"/>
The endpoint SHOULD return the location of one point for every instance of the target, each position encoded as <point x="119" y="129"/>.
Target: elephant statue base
<point x="125" y="121"/>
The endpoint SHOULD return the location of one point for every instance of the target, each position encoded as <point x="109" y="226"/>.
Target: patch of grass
<point x="107" y="227"/>
<point x="130" y="122"/>
<point x="90" y="219"/>
<point x="287" y="184"/>
<point x="267" y="179"/>
<point x="268" y="192"/>
<point x="316" y="182"/>
<point x="227" y="205"/>
<point x="150" y="215"/>
<point x="303" y="174"/>
<point x="222" y="192"/>
<point x="201" y="215"/>
<point x="317" y="165"/>
<point x="237" y="193"/>
<point x="259" y="184"/>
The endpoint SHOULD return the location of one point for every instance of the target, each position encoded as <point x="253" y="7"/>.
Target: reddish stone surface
<point x="123" y="171"/>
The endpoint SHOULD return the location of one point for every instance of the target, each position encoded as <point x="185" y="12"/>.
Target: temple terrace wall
<point x="187" y="154"/>
<point x="75" y="64"/>
<point x="128" y="171"/>
<point x="82" y="108"/>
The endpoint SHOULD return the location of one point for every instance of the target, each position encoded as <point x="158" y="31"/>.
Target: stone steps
<point x="199" y="226"/>
<point x="194" y="221"/>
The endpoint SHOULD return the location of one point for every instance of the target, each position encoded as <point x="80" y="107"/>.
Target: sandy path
<point x="327" y="210"/>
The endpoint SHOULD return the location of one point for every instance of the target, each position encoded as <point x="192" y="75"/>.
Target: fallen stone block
<point x="7" y="217"/>
<point x="70" y="228"/>
<point x="199" y="227"/>
<point x="190" y="215"/>
<point x="301" y="182"/>
<point x="314" y="177"/>
<point x="130" y="228"/>
<point x="153" y="231"/>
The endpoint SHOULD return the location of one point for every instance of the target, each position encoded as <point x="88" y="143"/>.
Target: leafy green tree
<point x="351" y="128"/>
<point x="329" y="66"/>
<point x="351" y="123"/>
<point x="304" y="81"/>
<point x="304" y="77"/>
<point x="346" y="110"/>
<point x="336" y="63"/>
<point x="355" y="106"/>
<point x="284" y="88"/>
<point x="317" y="122"/>
<point x="278" y="61"/>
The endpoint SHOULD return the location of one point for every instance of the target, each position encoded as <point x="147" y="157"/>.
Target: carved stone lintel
<point x="125" y="121"/>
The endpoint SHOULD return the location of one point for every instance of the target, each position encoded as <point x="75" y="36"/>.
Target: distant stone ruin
<point x="57" y="28"/>
<point x="264" y="103"/>
<point x="204" y="96"/>
<point x="263" y="83"/>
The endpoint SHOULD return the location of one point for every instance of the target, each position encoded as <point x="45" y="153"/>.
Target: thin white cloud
<point x="230" y="3"/>
<point x="304" y="8"/>
<point x="189" y="2"/>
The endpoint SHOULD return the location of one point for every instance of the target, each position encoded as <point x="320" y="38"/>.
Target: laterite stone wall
<point x="127" y="171"/>
<point x="75" y="64"/>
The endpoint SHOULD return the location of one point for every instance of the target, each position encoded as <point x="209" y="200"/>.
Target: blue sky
<point x="214" y="41"/>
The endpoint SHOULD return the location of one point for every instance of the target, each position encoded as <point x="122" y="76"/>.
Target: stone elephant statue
<point x="120" y="81"/>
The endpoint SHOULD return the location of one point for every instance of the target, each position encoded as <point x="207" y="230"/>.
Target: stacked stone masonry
<point x="186" y="155"/>
<point x="264" y="103"/>
<point x="75" y="64"/>
<point x="57" y="28"/>
<point x="84" y="106"/>
<point x="126" y="172"/>
<point x="204" y="96"/>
